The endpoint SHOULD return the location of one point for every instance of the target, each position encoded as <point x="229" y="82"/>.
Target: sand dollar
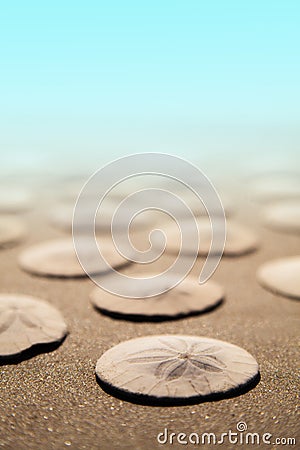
<point x="189" y="199"/>
<point x="175" y="368"/>
<point x="239" y="239"/>
<point x="284" y="216"/>
<point x="12" y="230"/>
<point x="281" y="276"/>
<point x="189" y="297"/>
<point x="26" y="321"/>
<point x="58" y="258"/>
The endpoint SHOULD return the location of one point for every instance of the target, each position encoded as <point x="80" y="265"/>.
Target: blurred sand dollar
<point x="239" y="239"/>
<point x="57" y="258"/>
<point x="277" y="186"/>
<point x="283" y="216"/>
<point x="27" y="321"/>
<point x="281" y="276"/>
<point x="12" y="230"/>
<point x="62" y="215"/>
<point x="188" y="298"/>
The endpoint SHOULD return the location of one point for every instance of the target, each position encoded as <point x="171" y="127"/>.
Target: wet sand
<point x="52" y="401"/>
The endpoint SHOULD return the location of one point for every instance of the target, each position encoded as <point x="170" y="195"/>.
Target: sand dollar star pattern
<point x="176" y="366"/>
<point x="26" y="321"/>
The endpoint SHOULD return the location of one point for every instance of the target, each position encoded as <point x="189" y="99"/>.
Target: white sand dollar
<point x="175" y="367"/>
<point x="281" y="276"/>
<point x="26" y="321"/>
<point x="284" y="217"/>
<point x="189" y="297"/>
<point x="12" y="230"/>
<point x="239" y="239"/>
<point x="58" y="258"/>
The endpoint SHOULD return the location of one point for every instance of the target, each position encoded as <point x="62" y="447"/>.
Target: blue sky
<point x="98" y="75"/>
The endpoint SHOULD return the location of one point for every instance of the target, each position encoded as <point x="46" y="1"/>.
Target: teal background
<point x="85" y="82"/>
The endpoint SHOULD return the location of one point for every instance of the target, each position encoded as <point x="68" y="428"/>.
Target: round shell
<point x="175" y="368"/>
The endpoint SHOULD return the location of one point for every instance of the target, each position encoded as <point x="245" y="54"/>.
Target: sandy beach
<point x="53" y="401"/>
